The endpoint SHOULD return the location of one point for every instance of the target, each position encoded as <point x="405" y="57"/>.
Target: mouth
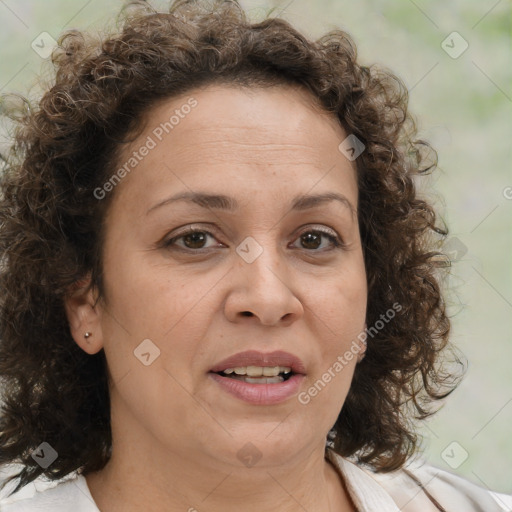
<point x="259" y="378"/>
<point x="252" y="364"/>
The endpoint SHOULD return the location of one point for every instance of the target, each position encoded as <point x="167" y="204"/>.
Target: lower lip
<point x="260" y="394"/>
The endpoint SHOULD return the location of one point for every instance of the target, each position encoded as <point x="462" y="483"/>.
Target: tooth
<point x="258" y="371"/>
<point x="254" y="371"/>
<point x="269" y="371"/>
<point x="268" y="380"/>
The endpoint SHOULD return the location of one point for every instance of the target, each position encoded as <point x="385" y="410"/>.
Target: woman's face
<point x="269" y="269"/>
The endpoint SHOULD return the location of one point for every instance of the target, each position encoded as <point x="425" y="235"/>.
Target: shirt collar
<point x="366" y="493"/>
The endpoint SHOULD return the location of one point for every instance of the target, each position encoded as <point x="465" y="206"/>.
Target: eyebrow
<point x="223" y="202"/>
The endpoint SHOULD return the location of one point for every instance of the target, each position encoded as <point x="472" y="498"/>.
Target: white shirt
<point x="391" y="492"/>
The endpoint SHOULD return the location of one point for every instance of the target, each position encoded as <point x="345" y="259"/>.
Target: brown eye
<point x="193" y="239"/>
<point x="313" y="240"/>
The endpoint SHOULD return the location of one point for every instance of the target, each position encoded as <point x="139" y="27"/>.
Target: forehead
<point x="274" y="115"/>
<point x="267" y="135"/>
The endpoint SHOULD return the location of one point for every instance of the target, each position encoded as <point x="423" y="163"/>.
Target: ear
<point x="84" y="316"/>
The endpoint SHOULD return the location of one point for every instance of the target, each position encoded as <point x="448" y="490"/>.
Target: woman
<point x="218" y="280"/>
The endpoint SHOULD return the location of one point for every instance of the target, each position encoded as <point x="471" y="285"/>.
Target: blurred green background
<point x="456" y="60"/>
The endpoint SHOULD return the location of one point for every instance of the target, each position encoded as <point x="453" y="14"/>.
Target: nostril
<point x="246" y="313"/>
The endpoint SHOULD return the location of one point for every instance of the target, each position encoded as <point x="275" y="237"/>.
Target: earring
<point x="87" y="335"/>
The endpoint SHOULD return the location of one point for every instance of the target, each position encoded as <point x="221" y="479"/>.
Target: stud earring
<point x="87" y="335"/>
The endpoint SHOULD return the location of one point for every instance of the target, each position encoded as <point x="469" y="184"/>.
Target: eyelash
<point x="335" y="240"/>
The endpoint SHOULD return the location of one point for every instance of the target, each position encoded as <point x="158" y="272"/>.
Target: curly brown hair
<point x="51" y="224"/>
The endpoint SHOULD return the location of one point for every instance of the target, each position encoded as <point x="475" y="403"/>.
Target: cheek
<point x="339" y="312"/>
<point x="170" y="308"/>
<point x="338" y="328"/>
<point x="341" y="305"/>
<point x="151" y="300"/>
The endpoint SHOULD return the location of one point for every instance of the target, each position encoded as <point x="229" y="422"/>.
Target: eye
<point x="191" y="239"/>
<point x="312" y="239"/>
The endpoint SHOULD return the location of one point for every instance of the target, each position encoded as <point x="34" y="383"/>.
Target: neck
<point x="158" y="480"/>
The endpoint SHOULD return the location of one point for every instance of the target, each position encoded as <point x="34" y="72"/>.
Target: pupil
<point x="311" y="237"/>
<point x="197" y="240"/>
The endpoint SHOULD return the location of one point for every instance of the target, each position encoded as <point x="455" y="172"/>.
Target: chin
<point x="269" y="447"/>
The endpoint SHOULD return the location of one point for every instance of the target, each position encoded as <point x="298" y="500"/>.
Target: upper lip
<point x="255" y="358"/>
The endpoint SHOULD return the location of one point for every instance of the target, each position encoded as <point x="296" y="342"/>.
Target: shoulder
<point x="69" y="493"/>
<point x="421" y="487"/>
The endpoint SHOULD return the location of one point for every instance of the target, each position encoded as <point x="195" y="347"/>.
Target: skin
<point x="176" y="432"/>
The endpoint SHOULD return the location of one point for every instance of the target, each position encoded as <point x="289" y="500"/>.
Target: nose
<point x="263" y="292"/>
